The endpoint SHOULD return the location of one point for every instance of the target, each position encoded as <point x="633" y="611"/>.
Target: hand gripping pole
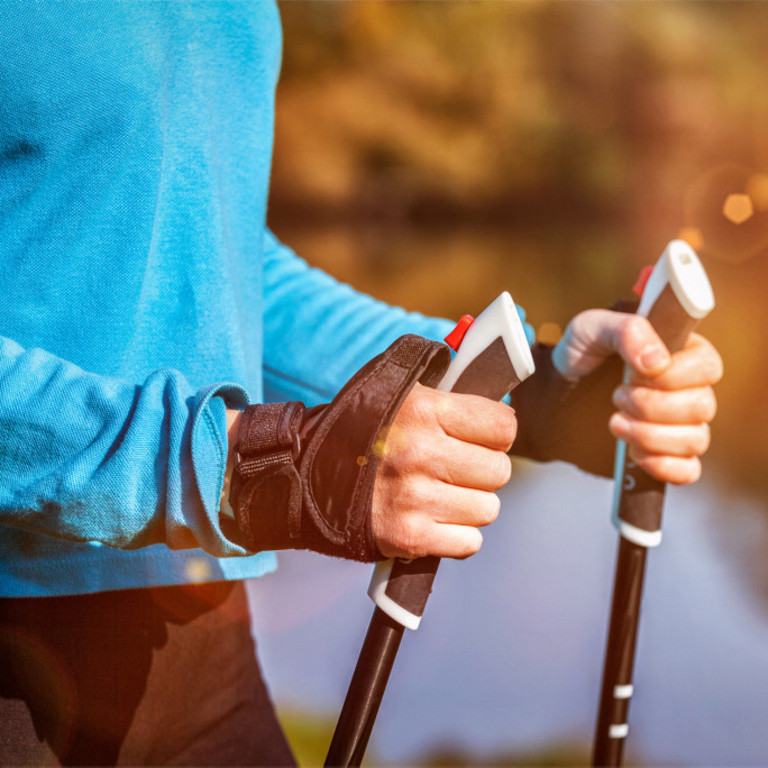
<point x="676" y="296"/>
<point x="492" y="358"/>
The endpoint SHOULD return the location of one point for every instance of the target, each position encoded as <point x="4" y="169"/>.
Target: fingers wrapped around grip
<point x="664" y="419"/>
<point x="686" y="406"/>
<point x="664" y="404"/>
<point x="443" y="459"/>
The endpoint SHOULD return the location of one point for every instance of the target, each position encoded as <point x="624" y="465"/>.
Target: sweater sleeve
<point x="92" y="458"/>
<point x="319" y="331"/>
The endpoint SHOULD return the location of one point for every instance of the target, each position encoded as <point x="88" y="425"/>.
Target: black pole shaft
<point x="365" y="691"/>
<point x="620" y="654"/>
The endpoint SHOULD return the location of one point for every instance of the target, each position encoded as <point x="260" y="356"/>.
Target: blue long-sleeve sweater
<point x="141" y="291"/>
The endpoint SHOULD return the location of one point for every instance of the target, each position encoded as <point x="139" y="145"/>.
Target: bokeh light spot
<point x="198" y="570"/>
<point x="391" y="441"/>
<point x="692" y="236"/>
<point x="379" y="446"/>
<point x="549" y="333"/>
<point x="738" y="208"/>
<point x="733" y="228"/>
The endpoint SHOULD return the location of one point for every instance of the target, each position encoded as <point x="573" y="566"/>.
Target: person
<point x="158" y="343"/>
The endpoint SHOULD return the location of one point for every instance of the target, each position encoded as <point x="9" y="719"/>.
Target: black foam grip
<point x="491" y="374"/>
<point x="410" y="583"/>
<point x="670" y="320"/>
<point x="641" y="497"/>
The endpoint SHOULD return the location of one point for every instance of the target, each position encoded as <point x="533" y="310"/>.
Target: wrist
<point x="233" y="425"/>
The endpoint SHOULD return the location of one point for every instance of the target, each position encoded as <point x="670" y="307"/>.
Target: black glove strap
<point x="268" y="444"/>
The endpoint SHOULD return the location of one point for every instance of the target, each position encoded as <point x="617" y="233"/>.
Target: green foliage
<point x="553" y="755"/>
<point x="309" y="734"/>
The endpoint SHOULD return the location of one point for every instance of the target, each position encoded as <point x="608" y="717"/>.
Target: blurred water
<point x="509" y="655"/>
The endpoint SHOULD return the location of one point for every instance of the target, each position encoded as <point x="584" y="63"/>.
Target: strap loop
<point x="266" y="476"/>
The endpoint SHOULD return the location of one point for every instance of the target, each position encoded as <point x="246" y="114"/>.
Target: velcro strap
<point x="276" y="428"/>
<point x="268" y="443"/>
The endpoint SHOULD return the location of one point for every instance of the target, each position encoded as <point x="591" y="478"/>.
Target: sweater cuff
<point x="209" y="459"/>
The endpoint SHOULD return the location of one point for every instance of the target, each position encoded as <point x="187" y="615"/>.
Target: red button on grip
<point x="642" y="281"/>
<point x="456" y="336"/>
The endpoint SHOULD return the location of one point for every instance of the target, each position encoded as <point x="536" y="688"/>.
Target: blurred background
<point x="434" y="154"/>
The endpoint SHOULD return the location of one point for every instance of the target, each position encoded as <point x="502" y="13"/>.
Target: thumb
<point x="594" y="335"/>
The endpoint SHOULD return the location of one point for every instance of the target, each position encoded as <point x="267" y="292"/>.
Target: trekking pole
<point x="675" y="295"/>
<point x="492" y="358"/>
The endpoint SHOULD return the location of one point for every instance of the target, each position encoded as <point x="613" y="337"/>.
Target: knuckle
<point x="716" y="367"/>
<point x="420" y="405"/>
<point x="712" y="412"/>
<point x="498" y="422"/>
<point x="633" y="329"/>
<point x="686" y="471"/>
<point x="706" y="360"/>
<point x="407" y="454"/>
<point x="671" y="469"/>
<point x="471" y="543"/>
<point x="409" y="457"/>
<point x="502" y="471"/>
<point x="705" y="438"/>
<point x="706" y="405"/>
<point x="697" y="441"/>
<point x="413" y="494"/>
<point x="694" y="470"/>
<point x="413" y="536"/>
<point x="491" y="509"/>
<point x="507" y="422"/>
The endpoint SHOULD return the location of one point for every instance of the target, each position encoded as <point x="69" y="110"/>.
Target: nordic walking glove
<point x="305" y="476"/>
<point x="565" y="421"/>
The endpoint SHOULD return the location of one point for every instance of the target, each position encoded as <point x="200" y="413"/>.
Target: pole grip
<point x="677" y="296"/>
<point x="493" y="357"/>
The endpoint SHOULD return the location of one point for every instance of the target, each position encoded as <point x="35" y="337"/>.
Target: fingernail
<point x="620" y="397"/>
<point x="654" y="357"/>
<point x="620" y="425"/>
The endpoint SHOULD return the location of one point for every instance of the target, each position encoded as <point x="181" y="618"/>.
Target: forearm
<point x="318" y="331"/>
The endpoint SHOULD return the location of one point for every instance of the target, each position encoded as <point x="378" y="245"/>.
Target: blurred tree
<point x="568" y="141"/>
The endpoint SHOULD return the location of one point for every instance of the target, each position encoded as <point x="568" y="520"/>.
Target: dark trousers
<point x="137" y="677"/>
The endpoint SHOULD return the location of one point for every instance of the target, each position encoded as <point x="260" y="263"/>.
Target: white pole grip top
<point x="679" y="266"/>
